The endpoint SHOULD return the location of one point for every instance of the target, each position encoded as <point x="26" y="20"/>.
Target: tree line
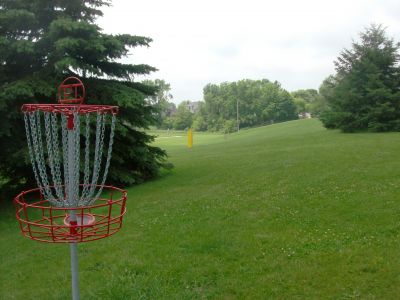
<point x="363" y="95"/>
<point x="229" y="106"/>
<point x="244" y="103"/>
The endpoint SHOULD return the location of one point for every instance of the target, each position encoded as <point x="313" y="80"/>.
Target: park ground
<point x="287" y="211"/>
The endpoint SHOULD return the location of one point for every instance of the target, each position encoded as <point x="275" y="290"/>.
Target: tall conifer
<point x="366" y="94"/>
<point x="44" y="41"/>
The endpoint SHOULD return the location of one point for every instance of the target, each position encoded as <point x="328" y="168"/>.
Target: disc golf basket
<point x="70" y="146"/>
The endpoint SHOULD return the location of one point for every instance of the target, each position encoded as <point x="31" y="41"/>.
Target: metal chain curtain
<point x="50" y="167"/>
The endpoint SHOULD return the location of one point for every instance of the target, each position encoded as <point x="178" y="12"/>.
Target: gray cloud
<point x="294" y="42"/>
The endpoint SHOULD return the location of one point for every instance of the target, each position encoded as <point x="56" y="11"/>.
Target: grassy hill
<point x="286" y="211"/>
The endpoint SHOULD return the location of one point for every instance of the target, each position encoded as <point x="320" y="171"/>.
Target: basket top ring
<point x="71" y="95"/>
<point x="68" y="109"/>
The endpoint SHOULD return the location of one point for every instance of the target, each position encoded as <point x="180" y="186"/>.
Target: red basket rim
<point x="70" y="108"/>
<point x="19" y="199"/>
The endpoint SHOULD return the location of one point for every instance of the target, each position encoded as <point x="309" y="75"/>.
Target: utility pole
<point x="237" y="114"/>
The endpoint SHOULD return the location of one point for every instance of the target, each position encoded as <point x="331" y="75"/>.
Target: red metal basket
<point x="42" y="222"/>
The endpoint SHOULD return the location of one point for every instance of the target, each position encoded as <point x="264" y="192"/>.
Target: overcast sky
<point x="212" y="41"/>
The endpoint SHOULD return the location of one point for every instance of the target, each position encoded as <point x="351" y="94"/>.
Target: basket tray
<point x="42" y="222"/>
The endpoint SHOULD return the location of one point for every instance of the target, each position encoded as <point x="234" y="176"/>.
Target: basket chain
<point x="100" y="125"/>
<point x="36" y="133"/>
<point x="54" y="160"/>
<point x="77" y="135"/>
<point x="31" y="152"/>
<point x="56" y="152"/>
<point x="110" y="144"/>
<point x="87" y="164"/>
<point x="52" y="153"/>
<point x="64" y="141"/>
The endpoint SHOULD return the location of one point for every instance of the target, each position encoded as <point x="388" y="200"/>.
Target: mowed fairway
<point x="287" y="211"/>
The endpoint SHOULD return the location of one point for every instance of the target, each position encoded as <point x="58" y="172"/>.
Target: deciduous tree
<point x="258" y="102"/>
<point x="161" y="100"/>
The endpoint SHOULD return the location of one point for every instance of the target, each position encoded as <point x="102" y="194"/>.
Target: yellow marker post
<point x="190" y="138"/>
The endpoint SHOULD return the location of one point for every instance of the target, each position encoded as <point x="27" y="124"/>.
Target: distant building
<point x="193" y="106"/>
<point x="305" y="115"/>
<point x="170" y="109"/>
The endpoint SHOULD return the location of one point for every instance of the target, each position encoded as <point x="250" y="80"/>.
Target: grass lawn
<point x="287" y="211"/>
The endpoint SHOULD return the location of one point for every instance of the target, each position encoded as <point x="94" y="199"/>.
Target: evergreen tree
<point x="44" y="41"/>
<point x="366" y="93"/>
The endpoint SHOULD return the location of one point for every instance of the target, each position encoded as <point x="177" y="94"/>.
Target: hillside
<point x="286" y="211"/>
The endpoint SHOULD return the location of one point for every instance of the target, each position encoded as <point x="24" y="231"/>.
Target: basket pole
<point x="73" y="219"/>
<point x="74" y="263"/>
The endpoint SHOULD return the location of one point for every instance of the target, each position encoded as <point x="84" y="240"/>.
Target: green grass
<point x="288" y="211"/>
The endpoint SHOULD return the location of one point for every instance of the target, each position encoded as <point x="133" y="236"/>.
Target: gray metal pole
<point x="74" y="264"/>
<point x="237" y="114"/>
<point x="72" y="215"/>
